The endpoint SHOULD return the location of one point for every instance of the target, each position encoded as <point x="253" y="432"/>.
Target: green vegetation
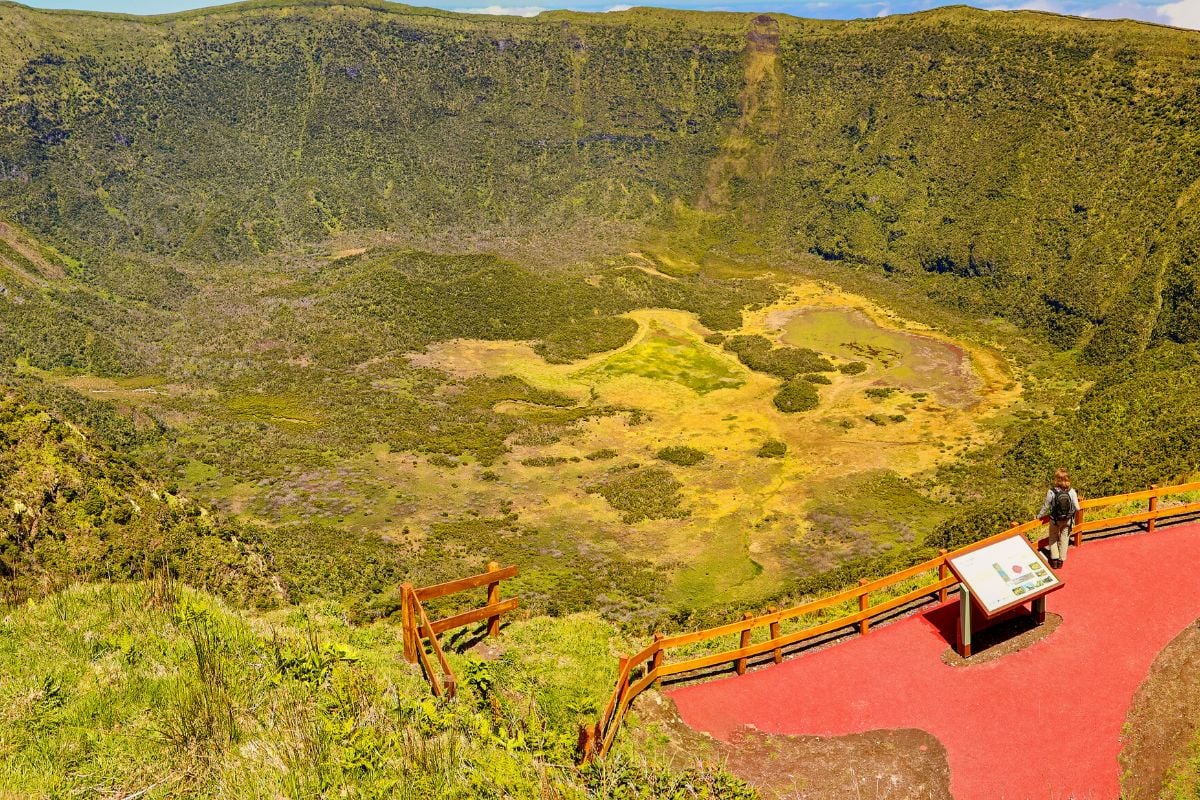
<point x="757" y="353"/>
<point x="237" y="246"/>
<point x="645" y="493"/>
<point x="772" y="448"/>
<point x="681" y="455"/>
<point x="1183" y="782"/>
<point x="662" y="356"/>
<point x="199" y="700"/>
<point x="165" y="177"/>
<point x="797" y="395"/>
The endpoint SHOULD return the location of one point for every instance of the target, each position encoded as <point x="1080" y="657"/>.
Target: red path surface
<point x="1040" y="724"/>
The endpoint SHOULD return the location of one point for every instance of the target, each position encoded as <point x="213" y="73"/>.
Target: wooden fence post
<point x="942" y="571"/>
<point x="493" y="599"/>
<point x="408" y="622"/>
<point x="863" y="604"/>
<point x="1078" y="525"/>
<point x="745" y="642"/>
<point x="777" y="653"/>
<point x="1153" y="507"/>
<point x="586" y="742"/>
<point x="657" y="660"/>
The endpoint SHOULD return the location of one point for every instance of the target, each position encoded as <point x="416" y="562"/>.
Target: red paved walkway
<point x="1040" y="724"/>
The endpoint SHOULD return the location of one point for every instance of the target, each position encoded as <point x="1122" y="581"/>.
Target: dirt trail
<point x="876" y="765"/>
<point x="1162" y="718"/>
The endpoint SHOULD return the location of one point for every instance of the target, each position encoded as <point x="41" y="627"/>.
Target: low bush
<point x="644" y="493"/>
<point x="772" y="448"/>
<point x="797" y="395"/>
<point x="681" y="455"/>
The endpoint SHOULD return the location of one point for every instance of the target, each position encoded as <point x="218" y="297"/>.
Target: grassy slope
<point x="155" y="688"/>
<point x="1000" y="159"/>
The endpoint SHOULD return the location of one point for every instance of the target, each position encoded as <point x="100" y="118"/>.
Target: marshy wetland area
<point x="657" y="464"/>
<point x="667" y="464"/>
<point x="698" y="471"/>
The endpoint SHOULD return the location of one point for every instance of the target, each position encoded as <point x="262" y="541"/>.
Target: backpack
<point x="1061" y="507"/>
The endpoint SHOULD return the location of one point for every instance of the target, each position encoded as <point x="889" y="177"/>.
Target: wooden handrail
<point x="462" y="584"/>
<point x="417" y="628"/>
<point x="476" y="615"/>
<point x="625" y="691"/>
<point x="1145" y="494"/>
<point x="431" y="635"/>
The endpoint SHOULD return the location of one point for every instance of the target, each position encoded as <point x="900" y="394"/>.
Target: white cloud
<point x="883" y="12"/>
<point x="511" y="11"/>
<point x="617" y="8"/>
<point x="1183" y="14"/>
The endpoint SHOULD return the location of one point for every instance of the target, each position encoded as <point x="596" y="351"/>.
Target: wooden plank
<point x="462" y="584"/>
<point x="477" y="615"/>
<point x="807" y="633"/>
<point x="1129" y="519"/>
<point x="845" y="596"/>
<point x="611" y="706"/>
<point x="1145" y="494"/>
<point x="761" y="647"/>
<point x="430" y="675"/>
<point x="916" y="594"/>
<point x="902" y="575"/>
<point x="630" y="695"/>
<point x="437" y="646"/>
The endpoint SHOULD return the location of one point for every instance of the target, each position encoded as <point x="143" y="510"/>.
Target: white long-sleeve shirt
<point x="1050" y="501"/>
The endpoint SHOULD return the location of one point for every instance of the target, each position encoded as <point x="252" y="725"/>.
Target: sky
<point x="1180" y="13"/>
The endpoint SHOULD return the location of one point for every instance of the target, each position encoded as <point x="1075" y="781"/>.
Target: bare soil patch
<point x="1162" y="718"/>
<point x="876" y="765"/>
<point x="1002" y="639"/>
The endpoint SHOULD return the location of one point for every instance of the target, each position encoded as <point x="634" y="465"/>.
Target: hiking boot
<point x="1056" y="563"/>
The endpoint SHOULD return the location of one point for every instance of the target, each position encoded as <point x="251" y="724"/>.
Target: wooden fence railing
<point x="418" y="629"/>
<point x="638" y="672"/>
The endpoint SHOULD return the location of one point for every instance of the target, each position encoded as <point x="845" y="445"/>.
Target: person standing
<point x="1060" y="508"/>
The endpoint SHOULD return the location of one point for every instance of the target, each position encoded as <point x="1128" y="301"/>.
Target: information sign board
<point x="1004" y="574"/>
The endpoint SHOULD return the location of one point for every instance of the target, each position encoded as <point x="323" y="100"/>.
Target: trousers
<point x="1060" y="536"/>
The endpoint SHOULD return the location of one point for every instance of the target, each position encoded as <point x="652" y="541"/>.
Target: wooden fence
<point x="418" y="629"/>
<point x="638" y="672"/>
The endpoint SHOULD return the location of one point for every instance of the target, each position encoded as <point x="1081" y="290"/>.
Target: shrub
<point x="816" y="377"/>
<point x="852" y="367"/>
<point x="681" y="455"/>
<point x="757" y="353"/>
<point x="601" y="455"/>
<point x="797" y="395"/>
<point x="772" y="448"/>
<point x="646" y="493"/>
<point x="544" y="461"/>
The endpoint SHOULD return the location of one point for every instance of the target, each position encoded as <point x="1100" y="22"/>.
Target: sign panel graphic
<point x="1004" y="573"/>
